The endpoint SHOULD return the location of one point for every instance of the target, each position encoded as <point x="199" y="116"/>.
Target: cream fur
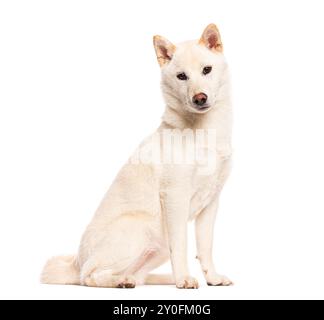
<point x="142" y="220"/>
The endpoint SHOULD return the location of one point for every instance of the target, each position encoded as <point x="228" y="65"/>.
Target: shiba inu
<point x="142" y="220"/>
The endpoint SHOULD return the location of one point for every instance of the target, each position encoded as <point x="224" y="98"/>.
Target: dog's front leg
<point x="204" y="237"/>
<point x="176" y="210"/>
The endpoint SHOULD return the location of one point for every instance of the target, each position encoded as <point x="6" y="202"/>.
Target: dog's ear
<point x="211" y="38"/>
<point x="164" y="49"/>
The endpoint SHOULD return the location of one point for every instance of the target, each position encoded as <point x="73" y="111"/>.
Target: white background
<point x="79" y="89"/>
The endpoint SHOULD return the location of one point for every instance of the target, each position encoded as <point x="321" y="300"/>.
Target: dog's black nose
<point x="199" y="99"/>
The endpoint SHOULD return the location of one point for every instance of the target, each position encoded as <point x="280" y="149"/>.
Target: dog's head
<point x="191" y="71"/>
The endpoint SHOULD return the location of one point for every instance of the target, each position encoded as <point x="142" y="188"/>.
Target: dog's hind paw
<point x="127" y="282"/>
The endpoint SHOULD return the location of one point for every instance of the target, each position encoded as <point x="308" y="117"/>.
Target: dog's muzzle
<point x="199" y="100"/>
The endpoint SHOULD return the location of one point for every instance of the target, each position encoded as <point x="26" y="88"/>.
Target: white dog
<point x="142" y="220"/>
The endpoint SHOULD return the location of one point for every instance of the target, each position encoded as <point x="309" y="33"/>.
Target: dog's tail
<point x="61" y="270"/>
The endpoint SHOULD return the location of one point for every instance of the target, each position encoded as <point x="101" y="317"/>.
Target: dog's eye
<point x="207" y="70"/>
<point x="182" y="76"/>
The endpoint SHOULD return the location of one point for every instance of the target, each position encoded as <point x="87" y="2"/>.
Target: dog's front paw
<point x="187" y="283"/>
<point x="219" y="280"/>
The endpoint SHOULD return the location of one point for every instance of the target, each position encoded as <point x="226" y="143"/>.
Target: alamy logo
<point x="179" y="147"/>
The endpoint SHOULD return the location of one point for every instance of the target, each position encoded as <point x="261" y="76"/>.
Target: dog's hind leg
<point x="159" y="279"/>
<point x="135" y="273"/>
<point x="152" y="259"/>
<point x="131" y="246"/>
<point x="107" y="279"/>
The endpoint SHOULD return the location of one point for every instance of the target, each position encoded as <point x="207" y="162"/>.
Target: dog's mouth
<point x="201" y="109"/>
<point x="193" y="108"/>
